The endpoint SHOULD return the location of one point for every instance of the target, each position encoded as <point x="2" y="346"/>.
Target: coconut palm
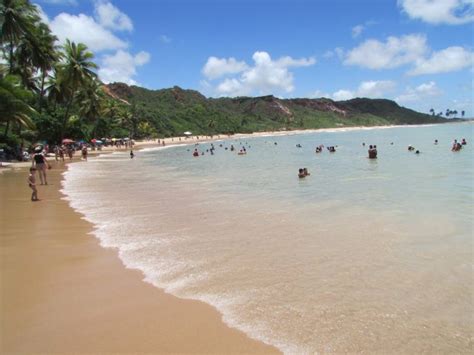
<point x="74" y="73"/>
<point x="13" y="104"/>
<point x="46" y="55"/>
<point x="91" y="101"/>
<point x="17" y="21"/>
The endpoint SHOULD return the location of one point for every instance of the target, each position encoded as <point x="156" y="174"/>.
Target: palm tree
<point x="125" y="119"/>
<point x="91" y="101"/>
<point x="17" y="20"/>
<point x="432" y="111"/>
<point x="55" y="90"/>
<point x="462" y="113"/>
<point x="74" y="73"/>
<point x="13" y="105"/>
<point x="46" y="56"/>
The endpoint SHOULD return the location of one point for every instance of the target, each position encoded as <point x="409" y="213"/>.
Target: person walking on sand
<point x="32" y="184"/>
<point x="84" y="152"/>
<point x="40" y="163"/>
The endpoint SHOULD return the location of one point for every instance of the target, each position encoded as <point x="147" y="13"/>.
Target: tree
<point x="74" y="73"/>
<point x="91" y="100"/>
<point x="46" y="56"/>
<point x="17" y="21"/>
<point x="432" y="111"/>
<point x="13" y="104"/>
<point x="462" y="113"/>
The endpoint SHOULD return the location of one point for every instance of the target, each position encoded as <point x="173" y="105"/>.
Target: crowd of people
<point x="40" y="163"/>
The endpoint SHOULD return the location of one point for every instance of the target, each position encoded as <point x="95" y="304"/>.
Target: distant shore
<point x="62" y="292"/>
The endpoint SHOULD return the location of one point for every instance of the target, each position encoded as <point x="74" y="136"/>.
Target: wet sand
<point x="61" y="292"/>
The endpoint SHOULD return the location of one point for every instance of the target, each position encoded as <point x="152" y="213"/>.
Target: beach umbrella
<point x="97" y="141"/>
<point x="187" y="133"/>
<point x="126" y="139"/>
<point x="38" y="148"/>
<point x="67" y="141"/>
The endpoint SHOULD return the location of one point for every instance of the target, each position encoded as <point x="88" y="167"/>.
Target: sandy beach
<point x="63" y="293"/>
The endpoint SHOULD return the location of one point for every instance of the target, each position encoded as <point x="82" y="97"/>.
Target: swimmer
<point x="372" y="152"/>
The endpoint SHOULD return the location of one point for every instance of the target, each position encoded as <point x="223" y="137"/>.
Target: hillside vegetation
<point x="172" y="111"/>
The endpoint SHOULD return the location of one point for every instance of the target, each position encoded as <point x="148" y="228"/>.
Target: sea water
<point x="361" y="256"/>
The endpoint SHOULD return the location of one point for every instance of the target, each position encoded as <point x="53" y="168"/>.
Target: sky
<point x="416" y="52"/>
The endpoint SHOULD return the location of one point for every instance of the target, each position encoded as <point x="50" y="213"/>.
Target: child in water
<point x="32" y="184"/>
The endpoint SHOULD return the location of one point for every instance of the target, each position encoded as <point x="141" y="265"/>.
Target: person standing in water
<point x="32" y="184"/>
<point x="40" y="163"/>
<point x="372" y="152"/>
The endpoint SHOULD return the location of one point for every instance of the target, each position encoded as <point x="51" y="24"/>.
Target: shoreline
<point x="63" y="292"/>
<point x="14" y="222"/>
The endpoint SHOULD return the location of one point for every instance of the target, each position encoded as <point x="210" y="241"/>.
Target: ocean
<point x="360" y="256"/>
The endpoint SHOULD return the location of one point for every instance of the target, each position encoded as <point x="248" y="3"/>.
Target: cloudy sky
<point x="416" y="52"/>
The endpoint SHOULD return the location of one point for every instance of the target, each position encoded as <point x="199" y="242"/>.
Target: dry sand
<point x="62" y="293"/>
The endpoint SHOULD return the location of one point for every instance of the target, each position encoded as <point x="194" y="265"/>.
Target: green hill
<point x="173" y="111"/>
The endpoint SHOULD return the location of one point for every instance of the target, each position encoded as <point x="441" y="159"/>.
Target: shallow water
<point x="362" y="255"/>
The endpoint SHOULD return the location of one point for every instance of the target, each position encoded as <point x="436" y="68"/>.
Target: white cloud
<point x="83" y="28"/>
<point x="342" y="95"/>
<point x="317" y="94"/>
<point x="357" y="30"/>
<point x="111" y="17"/>
<point x="452" y="12"/>
<point x="121" y="67"/>
<point x="375" y="89"/>
<point x="421" y="92"/>
<point x="218" y="67"/>
<point x="165" y="39"/>
<point x="371" y="89"/>
<point x="338" y="51"/>
<point x="265" y="77"/>
<point x="395" y="52"/>
<point x="232" y="87"/>
<point x="446" y="60"/>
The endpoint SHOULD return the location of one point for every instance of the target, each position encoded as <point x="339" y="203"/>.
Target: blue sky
<point x="417" y="52"/>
